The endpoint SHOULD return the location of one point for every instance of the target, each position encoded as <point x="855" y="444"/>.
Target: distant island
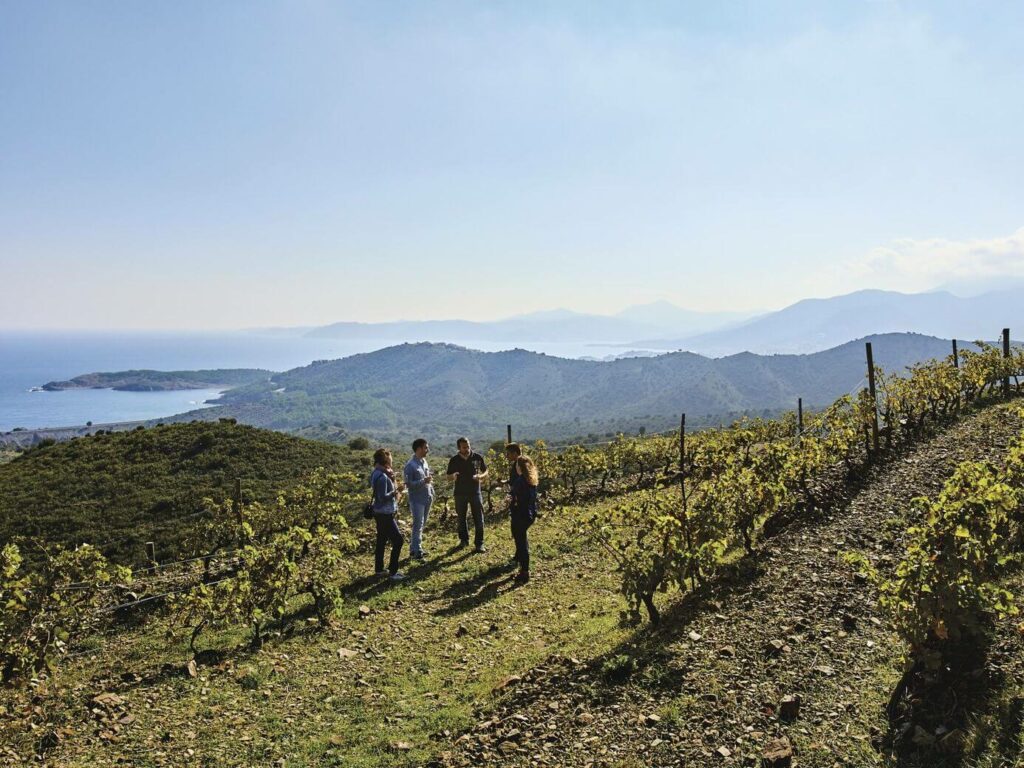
<point x="163" y="381"/>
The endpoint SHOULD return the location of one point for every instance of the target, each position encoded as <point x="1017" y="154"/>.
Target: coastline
<point x="21" y="438"/>
<point x="26" y="438"/>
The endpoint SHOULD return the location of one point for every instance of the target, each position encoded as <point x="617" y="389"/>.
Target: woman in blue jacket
<point x="524" y="511"/>
<point x="386" y="494"/>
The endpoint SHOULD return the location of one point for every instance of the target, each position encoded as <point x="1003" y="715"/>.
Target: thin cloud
<point x="914" y="265"/>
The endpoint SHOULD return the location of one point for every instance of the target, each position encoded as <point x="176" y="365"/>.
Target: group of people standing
<point x="466" y="470"/>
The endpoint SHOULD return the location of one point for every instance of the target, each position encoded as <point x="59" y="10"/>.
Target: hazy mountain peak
<point x="969" y="288"/>
<point x="658" y="319"/>
<point x="544" y="315"/>
<point x="816" y="324"/>
<point x="665" y="315"/>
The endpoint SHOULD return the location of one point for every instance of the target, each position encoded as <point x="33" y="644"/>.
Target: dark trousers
<point x="476" y="503"/>
<point x="520" y="525"/>
<point x="387" y="530"/>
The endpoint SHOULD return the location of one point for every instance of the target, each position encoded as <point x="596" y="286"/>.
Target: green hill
<point x="441" y="390"/>
<point x="123" y="489"/>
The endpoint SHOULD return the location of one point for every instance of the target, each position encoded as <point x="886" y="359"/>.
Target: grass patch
<point x="361" y="692"/>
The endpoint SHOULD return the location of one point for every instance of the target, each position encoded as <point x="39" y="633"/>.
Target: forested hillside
<point x="126" y="488"/>
<point x="442" y="390"/>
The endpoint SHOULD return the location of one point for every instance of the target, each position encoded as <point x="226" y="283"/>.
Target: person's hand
<point x="476" y="477"/>
<point x="455" y="475"/>
<point x="429" y="480"/>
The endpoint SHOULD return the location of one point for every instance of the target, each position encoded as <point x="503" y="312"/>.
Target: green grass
<point x="416" y="674"/>
<point x="418" y="679"/>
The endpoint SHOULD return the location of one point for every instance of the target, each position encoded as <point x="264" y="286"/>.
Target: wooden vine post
<point x="682" y="491"/>
<point x="956" y="365"/>
<point x="1006" y="354"/>
<point x="874" y="401"/>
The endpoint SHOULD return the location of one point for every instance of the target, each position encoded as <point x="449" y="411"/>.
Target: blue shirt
<point x="383" y="493"/>
<point x="416" y="473"/>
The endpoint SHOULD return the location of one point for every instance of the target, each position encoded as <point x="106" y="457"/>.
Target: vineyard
<point x="677" y="516"/>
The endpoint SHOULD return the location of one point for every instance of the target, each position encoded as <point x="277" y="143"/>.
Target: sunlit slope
<point x="126" y="488"/>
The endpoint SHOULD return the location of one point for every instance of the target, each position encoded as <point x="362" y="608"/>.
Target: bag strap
<point x="374" y="477"/>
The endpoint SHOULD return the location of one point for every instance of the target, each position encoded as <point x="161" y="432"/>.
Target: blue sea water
<point x="31" y="359"/>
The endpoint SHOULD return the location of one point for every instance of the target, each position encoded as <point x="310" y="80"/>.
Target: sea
<point x="31" y="359"/>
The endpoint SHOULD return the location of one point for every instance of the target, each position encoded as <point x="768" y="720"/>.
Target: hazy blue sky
<point x="226" y="164"/>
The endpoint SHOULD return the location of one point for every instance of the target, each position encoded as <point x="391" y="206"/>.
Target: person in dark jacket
<point x="467" y="470"/>
<point x="386" y="494"/>
<point x="524" y="512"/>
<point x="512" y="452"/>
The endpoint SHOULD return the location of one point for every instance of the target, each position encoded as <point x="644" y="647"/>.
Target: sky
<point x="213" y="165"/>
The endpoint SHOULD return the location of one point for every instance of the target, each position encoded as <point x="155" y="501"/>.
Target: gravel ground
<point x="788" y="645"/>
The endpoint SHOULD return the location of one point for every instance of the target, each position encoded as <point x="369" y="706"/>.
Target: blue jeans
<point x="420" y="512"/>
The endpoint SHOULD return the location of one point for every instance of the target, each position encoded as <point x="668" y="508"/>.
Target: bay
<point x="30" y="359"/>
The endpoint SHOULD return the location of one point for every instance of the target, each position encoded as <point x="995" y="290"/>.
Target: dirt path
<point x="798" y="622"/>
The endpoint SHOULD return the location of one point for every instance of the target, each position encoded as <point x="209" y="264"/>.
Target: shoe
<point x="480" y="549"/>
<point x="381" y="573"/>
<point x="418" y="555"/>
<point x="522" y="577"/>
<point x="397" y="576"/>
<point x="462" y="545"/>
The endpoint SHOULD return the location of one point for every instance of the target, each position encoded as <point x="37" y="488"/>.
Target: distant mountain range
<point x="810" y="325"/>
<point x="559" y="325"/>
<point x="440" y="390"/>
<point x="816" y="324"/>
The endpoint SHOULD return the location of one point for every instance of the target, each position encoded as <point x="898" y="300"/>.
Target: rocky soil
<point x="785" y="661"/>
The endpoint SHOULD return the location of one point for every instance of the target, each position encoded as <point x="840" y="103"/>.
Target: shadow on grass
<point x="998" y="733"/>
<point x="971" y="701"/>
<point x="370" y="585"/>
<point x="462" y="596"/>
<point x="648" y="648"/>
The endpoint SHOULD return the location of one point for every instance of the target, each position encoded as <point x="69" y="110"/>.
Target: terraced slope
<point x="797" y="622"/>
<point x="457" y="667"/>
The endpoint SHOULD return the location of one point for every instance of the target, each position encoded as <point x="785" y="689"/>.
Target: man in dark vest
<point x="467" y="469"/>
